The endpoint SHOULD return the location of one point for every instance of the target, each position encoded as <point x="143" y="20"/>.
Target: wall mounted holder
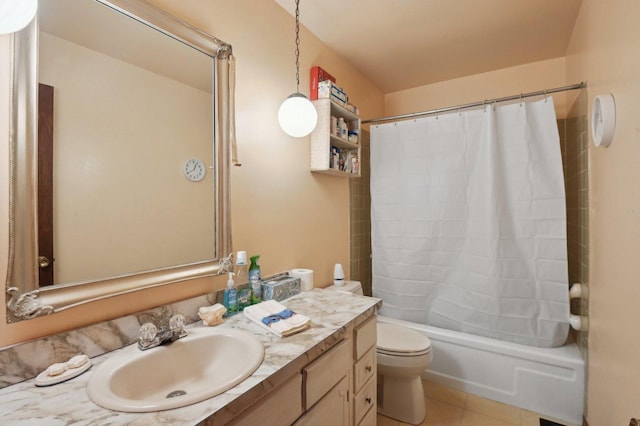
<point x="603" y="120"/>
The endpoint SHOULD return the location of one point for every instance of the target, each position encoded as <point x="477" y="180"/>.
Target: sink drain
<point x="176" y="393"/>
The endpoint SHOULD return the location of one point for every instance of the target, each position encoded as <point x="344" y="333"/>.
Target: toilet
<point x="403" y="354"/>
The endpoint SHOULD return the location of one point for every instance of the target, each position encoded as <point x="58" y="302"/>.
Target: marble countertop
<point x="332" y="315"/>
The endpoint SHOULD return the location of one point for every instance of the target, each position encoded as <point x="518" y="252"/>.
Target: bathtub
<point x="548" y="381"/>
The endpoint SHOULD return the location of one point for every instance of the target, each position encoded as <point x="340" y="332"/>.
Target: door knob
<point x="43" y="261"/>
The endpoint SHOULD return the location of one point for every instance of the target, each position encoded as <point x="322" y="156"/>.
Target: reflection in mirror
<point x="122" y="108"/>
<point x="125" y="120"/>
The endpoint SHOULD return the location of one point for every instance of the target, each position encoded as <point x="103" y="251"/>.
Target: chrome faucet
<point x="149" y="336"/>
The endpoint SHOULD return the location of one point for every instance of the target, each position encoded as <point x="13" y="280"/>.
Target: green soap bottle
<point x="255" y="279"/>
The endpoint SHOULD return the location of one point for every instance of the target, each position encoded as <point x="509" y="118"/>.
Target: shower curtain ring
<point x="546" y="98"/>
<point x="520" y="99"/>
<point x="484" y="105"/>
<point x="495" y="103"/>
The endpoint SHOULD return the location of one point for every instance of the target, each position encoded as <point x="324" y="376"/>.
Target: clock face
<point x="194" y="170"/>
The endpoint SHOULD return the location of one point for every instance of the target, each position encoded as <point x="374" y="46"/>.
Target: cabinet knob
<point x="368" y="399"/>
<point x="368" y="368"/>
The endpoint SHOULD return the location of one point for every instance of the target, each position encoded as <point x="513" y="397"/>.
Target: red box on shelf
<point x="318" y="75"/>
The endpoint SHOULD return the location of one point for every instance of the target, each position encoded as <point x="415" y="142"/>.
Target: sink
<point x="205" y="363"/>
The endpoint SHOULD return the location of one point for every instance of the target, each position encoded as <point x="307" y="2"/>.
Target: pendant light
<point x="16" y="14"/>
<point x="297" y="115"/>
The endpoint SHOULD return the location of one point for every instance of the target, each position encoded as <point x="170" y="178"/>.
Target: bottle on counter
<point x="230" y="297"/>
<point x="242" y="267"/>
<point x="255" y="280"/>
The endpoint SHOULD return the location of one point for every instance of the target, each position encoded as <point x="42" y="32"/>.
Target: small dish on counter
<point x="74" y="367"/>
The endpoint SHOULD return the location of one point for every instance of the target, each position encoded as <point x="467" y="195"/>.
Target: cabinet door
<point x="332" y="409"/>
<point x="282" y="406"/>
<point x="323" y="373"/>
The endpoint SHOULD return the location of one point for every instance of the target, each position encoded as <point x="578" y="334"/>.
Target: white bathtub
<point x="548" y="381"/>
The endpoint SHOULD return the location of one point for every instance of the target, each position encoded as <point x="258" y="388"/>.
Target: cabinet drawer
<point x="365" y="336"/>
<point x="323" y="373"/>
<point x="282" y="406"/>
<point x="365" y="400"/>
<point x="364" y="369"/>
<point x="369" y="419"/>
<point x="332" y="409"/>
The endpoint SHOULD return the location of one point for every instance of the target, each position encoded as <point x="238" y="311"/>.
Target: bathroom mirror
<point x="119" y="154"/>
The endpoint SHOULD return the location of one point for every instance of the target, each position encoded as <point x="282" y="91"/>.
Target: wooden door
<point x="45" y="184"/>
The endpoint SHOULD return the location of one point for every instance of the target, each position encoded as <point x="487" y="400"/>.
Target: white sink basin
<point x="205" y="363"/>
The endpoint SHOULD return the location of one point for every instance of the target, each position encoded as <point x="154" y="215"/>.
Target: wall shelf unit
<point x="323" y="141"/>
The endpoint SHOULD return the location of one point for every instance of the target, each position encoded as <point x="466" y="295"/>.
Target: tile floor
<point x="451" y="407"/>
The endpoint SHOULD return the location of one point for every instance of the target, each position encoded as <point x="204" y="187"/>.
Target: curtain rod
<point x="580" y="85"/>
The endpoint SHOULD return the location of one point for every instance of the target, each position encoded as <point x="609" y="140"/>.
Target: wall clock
<point x="603" y="120"/>
<point x="194" y="170"/>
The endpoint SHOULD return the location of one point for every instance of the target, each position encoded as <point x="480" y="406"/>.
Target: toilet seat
<point x="395" y="340"/>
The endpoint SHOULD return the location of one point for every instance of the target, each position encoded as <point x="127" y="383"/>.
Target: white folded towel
<point x="276" y="318"/>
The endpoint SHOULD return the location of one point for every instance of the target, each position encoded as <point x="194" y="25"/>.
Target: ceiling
<point x="131" y="42"/>
<point x="401" y="44"/>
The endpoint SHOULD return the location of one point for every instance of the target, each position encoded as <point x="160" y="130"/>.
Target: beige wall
<point x="603" y="50"/>
<point x="293" y="218"/>
<point x="495" y="84"/>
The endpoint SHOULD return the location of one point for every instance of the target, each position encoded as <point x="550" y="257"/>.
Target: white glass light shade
<point x="16" y="14"/>
<point x="297" y="116"/>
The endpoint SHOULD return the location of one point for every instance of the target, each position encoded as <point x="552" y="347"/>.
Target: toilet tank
<point x="349" y="287"/>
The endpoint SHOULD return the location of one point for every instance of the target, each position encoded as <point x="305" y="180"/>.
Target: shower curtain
<point x="469" y="224"/>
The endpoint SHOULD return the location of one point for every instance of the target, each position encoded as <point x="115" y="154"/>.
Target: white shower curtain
<point x="469" y="224"/>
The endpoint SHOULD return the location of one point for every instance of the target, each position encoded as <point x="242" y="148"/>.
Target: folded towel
<point x="276" y="318"/>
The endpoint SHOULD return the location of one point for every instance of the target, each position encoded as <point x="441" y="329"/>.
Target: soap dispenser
<point x="230" y="298"/>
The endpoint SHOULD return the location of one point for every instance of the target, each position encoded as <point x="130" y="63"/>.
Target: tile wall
<point x="360" y="220"/>
<point x="574" y="141"/>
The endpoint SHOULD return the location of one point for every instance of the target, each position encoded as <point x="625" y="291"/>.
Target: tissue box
<point x="280" y="287"/>
<point x="328" y="89"/>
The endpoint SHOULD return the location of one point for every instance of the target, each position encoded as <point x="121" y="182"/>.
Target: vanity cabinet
<point x="325" y="143"/>
<point x="338" y="388"/>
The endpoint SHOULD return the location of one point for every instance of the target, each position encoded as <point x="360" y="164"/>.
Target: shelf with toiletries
<point x="335" y="142"/>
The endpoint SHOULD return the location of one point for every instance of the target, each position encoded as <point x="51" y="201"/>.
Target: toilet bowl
<point x="402" y="356"/>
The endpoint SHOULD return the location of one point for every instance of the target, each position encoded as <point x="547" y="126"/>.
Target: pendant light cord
<point x="297" y="46"/>
<point x="297" y="115"/>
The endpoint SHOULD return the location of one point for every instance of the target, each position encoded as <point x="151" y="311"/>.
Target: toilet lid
<point x="401" y="340"/>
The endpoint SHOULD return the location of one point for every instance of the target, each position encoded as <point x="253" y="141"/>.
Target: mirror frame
<point x="26" y="300"/>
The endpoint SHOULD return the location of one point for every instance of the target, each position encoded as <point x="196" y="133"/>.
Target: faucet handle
<point x="176" y="324"/>
<point x="147" y="333"/>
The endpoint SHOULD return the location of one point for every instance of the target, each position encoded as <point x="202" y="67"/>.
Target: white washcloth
<point x="276" y="318"/>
